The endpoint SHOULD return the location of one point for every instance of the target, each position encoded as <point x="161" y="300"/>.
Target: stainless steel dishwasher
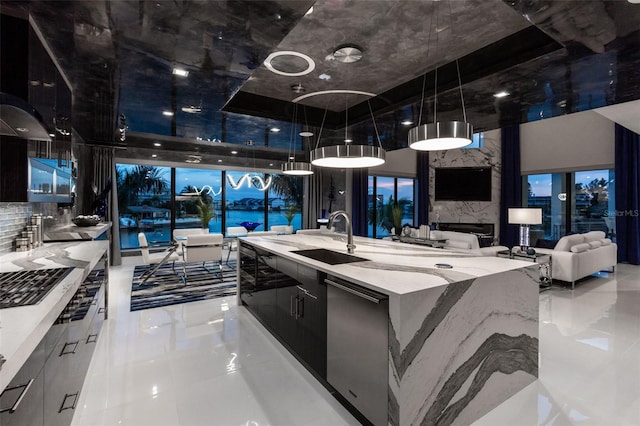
<point x="357" y="347"/>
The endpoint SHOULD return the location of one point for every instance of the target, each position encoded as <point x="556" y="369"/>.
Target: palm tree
<point x="287" y="187"/>
<point x="141" y="180"/>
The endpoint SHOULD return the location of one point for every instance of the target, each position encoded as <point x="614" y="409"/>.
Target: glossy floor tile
<point x="212" y="363"/>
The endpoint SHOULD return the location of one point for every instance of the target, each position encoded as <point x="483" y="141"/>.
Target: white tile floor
<point x="211" y="363"/>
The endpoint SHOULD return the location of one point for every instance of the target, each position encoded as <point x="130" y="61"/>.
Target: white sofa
<point x="580" y="255"/>
<point x="463" y="242"/>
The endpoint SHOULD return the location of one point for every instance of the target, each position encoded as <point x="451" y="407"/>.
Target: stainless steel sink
<point x="329" y="256"/>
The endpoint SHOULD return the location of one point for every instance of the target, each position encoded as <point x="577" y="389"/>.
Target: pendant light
<point x="349" y="156"/>
<point x="292" y="167"/>
<point x="440" y="135"/>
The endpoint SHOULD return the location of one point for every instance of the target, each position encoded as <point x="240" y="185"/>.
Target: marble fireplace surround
<point x="469" y="211"/>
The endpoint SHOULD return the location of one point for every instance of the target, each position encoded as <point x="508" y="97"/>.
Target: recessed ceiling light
<point x="406" y="122"/>
<point x="157" y="144"/>
<point x="219" y="161"/>
<point x="501" y="94"/>
<point x="275" y="129"/>
<point x="348" y="140"/>
<point x="348" y="54"/>
<point x="325" y="77"/>
<point x="154" y="155"/>
<point x="310" y="11"/>
<point x="306" y="134"/>
<point x="191" y="109"/>
<point x="180" y="72"/>
<point x="234" y="152"/>
<point x="167" y="113"/>
<point x="270" y="164"/>
<point x="22" y="129"/>
<point x="634" y="1"/>
<point x="292" y="158"/>
<point x="53" y="135"/>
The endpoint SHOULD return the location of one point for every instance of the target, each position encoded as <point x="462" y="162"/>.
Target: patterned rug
<point x="166" y="286"/>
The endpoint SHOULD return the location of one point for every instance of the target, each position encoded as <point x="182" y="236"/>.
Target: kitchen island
<point x="455" y="342"/>
<point x="39" y="343"/>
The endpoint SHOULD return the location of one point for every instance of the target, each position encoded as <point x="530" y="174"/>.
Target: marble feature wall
<point x="469" y="211"/>
<point x="13" y="219"/>
<point x="454" y="356"/>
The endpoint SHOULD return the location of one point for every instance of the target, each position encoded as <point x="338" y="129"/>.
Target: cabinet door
<point x="287" y="299"/>
<point x="264" y="296"/>
<point x="312" y="320"/>
<point x="247" y="260"/>
<point x="21" y="403"/>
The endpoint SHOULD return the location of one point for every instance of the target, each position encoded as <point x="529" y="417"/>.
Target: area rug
<point x="166" y="286"/>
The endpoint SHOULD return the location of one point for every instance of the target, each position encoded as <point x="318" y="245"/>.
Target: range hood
<point x="19" y="119"/>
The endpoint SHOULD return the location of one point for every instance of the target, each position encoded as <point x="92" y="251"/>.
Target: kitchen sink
<point x="329" y="256"/>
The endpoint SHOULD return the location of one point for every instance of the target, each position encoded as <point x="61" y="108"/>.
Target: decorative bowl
<point x="84" y="221"/>
<point x="250" y="226"/>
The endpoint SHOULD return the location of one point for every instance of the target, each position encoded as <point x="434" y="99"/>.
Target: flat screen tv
<point x="463" y="184"/>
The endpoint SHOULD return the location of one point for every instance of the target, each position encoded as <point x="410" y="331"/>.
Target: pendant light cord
<point x="293" y="124"/>
<point x="424" y="78"/>
<point x="464" y="112"/>
<point x="321" y="127"/>
<point x="374" y="124"/>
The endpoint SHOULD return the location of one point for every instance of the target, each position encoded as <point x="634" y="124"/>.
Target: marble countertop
<point x="391" y="268"/>
<point x="74" y="232"/>
<point x="22" y="328"/>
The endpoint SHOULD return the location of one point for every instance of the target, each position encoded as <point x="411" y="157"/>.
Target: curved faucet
<point x="350" y="245"/>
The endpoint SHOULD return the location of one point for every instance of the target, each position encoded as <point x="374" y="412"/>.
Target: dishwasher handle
<point x="368" y="295"/>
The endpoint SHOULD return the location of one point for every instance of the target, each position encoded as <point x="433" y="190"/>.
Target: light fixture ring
<point x="293" y="168"/>
<point x="348" y="156"/>
<point x="311" y="65"/>
<point x="440" y="135"/>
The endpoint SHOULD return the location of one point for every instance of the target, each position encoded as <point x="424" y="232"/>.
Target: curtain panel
<point x="511" y="182"/>
<point x="359" y="201"/>
<point x="627" y="175"/>
<point x="422" y="184"/>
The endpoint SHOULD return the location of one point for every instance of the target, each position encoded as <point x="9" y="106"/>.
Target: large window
<point x="144" y="204"/>
<point x="212" y="199"/>
<point x="572" y="202"/>
<point x="389" y="199"/>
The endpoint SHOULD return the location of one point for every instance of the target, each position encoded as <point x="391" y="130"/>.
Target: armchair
<point x="203" y="248"/>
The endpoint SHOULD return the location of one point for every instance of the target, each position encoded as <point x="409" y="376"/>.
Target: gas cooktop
<point x="24" y="288"/>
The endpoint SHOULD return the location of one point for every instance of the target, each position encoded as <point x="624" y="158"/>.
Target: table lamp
<point x="524" y="217"/>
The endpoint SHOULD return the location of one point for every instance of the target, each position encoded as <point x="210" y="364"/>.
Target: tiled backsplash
<point x="15" y="216"/>
<point x="13" y="219"/>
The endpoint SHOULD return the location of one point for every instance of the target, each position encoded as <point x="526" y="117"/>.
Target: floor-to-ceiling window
<point x="144" y="204"/>
<point x="572" y="202"/>
<point x="208" y="198"/>
<point x="389" y="198"/>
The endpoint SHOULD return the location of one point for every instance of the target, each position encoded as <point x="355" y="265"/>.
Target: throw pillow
<point x="594" y="244"/>
<point x="605" y="241"/>
<point x="579" y="248"/>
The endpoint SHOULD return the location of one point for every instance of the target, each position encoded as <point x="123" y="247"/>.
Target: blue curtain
<point x="422" y="183"/>
<point x="511" y="182"/>
<point x="627" y="160"/>
<point x="359" y="201"/>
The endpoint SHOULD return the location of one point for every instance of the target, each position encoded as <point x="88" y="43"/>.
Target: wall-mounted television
<point x="463" y="184"/>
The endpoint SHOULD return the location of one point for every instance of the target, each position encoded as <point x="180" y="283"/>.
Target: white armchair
<point x="203" y="248"/>
<point x="154" y="258"/>
<point x="235" y="231"/>
<point x="180" y="235"/>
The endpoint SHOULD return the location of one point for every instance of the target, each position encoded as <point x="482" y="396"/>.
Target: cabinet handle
<point x="301" y="302"/>
<point x="354" y="291"/>
<point x="101" y="310"/>
<point x="66" y="349"/>
<point x="64" y="401"/>
<point x="291" y="306"/>
<point x="304" y="290"/>
<point x="297" y="312"/>
<point x="22" y="394"/>
<point x="92" y="338"/>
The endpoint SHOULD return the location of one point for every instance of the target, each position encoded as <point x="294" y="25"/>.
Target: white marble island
<point x="460" y="340"/>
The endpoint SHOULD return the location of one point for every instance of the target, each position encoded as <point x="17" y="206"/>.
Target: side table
<point x="542" y="259"/>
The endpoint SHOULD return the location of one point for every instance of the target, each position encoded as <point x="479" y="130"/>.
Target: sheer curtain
<point x="422" y="181"/>
<point x="511" y="181"/>
<point x="313" y="199"/>
<point x="103" y="174"/>
<point x="627" y="160"/>
<point x="359" y="200"/>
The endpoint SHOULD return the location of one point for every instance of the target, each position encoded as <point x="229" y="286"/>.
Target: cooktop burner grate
<point x="24" y="288"/>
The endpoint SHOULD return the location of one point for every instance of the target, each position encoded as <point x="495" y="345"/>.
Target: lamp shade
<point x="525" y="216"/>
<point x="440" y="135"/>
<point x="297" y="168"/>
<point x="348" y="156"/>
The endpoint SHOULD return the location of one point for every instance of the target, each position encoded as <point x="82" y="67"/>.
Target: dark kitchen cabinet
<point x="290" y="300"/>
<point x="46" y="389"/>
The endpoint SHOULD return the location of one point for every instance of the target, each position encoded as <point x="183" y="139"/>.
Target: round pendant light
<point x="440" y="135"/>
<point x="293" y="168"/>
<point x="348" y="156"/>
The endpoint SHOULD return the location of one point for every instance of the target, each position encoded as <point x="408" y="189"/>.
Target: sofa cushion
<point x="594" y="244"/>
<point x="458" y="244"/>
<point x="579" y="248"/>
<point x="565" y="243"/>
<point x="605" y="241"/>
<point x="593" y="236"/>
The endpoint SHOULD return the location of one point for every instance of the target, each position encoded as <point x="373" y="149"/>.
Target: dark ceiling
<point x="553" y="57"/>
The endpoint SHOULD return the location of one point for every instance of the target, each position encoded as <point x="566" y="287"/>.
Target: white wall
<point x="580" y="141"/>
<point x="400" y="163"/>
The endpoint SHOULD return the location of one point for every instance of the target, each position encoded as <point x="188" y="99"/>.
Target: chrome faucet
<point x="350" y="245"/>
